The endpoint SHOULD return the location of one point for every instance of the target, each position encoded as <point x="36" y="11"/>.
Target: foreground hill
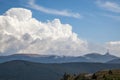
<point x="24" y="70"/>
<point x="92" y="57"/>
<point x="100" y="75"/>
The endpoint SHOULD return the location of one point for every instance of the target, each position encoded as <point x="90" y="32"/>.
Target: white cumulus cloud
<point x="21" y="33"/>
<point x="114" y="47"/>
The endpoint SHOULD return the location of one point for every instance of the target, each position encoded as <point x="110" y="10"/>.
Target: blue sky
<point x="97" y="21"/>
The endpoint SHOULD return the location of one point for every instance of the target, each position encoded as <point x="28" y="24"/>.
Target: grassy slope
<point x="114" y="75"/>
<point x="100" y="75"/>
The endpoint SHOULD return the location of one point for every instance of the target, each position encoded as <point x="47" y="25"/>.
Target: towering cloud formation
<point x="20" y="33"/>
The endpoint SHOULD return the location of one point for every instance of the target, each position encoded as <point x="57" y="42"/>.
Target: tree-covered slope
<point x="24" y="70"/>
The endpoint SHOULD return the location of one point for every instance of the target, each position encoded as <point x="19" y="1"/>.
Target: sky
<point x="60" y="27"/>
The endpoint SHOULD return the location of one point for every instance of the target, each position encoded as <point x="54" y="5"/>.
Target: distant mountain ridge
<point x="95" y="57"/>
<point x="114" y="61"/>
<point x="92" y="57"/>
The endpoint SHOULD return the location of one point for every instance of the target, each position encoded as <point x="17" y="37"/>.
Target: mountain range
<point x="92" y="57"/>
<point x="115" y="61"/>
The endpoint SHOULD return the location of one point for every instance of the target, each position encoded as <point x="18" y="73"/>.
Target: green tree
<point x="94" y="77"/>
<point x="110" y="72"/>
<point x="67" y="77"/>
